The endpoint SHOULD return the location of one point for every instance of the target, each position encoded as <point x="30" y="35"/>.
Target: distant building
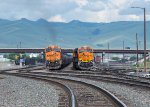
<point x="1" y="56"/>
<point x="2" y="59"/>
<point x="33" y="55"/>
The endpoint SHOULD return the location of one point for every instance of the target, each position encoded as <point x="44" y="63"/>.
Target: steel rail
<point x="102" y="78"/>
<point x="72" y="98"/>
<point x="118" y="102"/>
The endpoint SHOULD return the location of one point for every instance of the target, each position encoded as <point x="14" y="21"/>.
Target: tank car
<point x="55" y="58"/>
<point x="83" y="58"/>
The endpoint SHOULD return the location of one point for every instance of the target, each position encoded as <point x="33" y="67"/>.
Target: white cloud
<point x="134" y="17"/>
<point x="34" y="9"/>
<point x="57" y="18"/>
<point x="67" y="10"/>
<point x="81" y="2"/>
<point x="136" y="3"/>
<point x="94" y="6"/>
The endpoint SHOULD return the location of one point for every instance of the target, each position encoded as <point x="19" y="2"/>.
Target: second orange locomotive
<point x="83" y="58"/>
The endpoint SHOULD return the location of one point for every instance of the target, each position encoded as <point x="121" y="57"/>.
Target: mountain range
<point x="41" y="33"/>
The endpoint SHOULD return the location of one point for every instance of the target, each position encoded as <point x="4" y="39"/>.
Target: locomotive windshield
<point x="53" y="49"/>
<point x="48" y="49"/>
<point x="57" y="49"/>
<point x="85" y="50"/>
<point x="89" y="50"/>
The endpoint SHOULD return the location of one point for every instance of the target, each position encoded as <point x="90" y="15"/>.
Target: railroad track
<point x="117" y="76"/>
<point x="93" y="75"/>
<point x="25" y="68"/>
<point x="97" y="77"/>
<point x="86" y="95"/>
<point x="66" y="95"/>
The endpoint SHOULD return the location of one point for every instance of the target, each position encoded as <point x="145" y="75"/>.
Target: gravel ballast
<point x="8" y="65"/>
<point x="22" y="92"/>
<point x="130" y="95"/>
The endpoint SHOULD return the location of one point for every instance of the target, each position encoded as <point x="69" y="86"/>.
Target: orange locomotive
<point x="55" y="58"/>
<point x="83" y="58"/>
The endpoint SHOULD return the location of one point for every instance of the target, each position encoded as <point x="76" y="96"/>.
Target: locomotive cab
<point x="83" y="58"/>
<point x="53" y="57"/>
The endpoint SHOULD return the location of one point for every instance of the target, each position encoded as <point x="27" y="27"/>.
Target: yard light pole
<point x="144" y="36"/>
<point x="137" y="48"/>
<point x="123" y="48"/>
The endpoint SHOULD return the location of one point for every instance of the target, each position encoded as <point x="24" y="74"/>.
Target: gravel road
<point x="21" y="92"/>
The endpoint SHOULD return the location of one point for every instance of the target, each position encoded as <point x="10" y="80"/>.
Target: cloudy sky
<point x="67" y="10"/>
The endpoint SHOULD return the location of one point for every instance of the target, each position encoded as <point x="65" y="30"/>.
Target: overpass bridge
<point x="40" y="50"/>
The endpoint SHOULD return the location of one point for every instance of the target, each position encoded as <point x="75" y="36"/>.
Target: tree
<point x="15" y="56"/>
<point x="115" y="58"/>
<point x="123" y="60"/>
<point x="132" y="58"/>
<point x="12" y="56"/>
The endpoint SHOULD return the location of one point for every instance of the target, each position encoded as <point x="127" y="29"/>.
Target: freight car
<point x="30" y="61"/>
<point x="24" y="60"/>
<point x="83" y="58"/>
<point x="97" y="59"/>
<point x="55" y="58"/>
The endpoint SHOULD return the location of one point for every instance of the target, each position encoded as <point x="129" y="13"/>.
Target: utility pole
<point x="144" y="40"/>
<point x="103" y="54"/>
<point x="108" y="49"/>
<point x="137" y="48"/>
<point x="144" y="36"/>
<point x="20" y="44"/>
<point x="123" y="49"/>
<point x="140" y="49"/>
<point x="102" y="58"/>
<point x="17" y="46"/>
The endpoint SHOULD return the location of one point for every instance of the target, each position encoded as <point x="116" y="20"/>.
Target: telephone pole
<point x="137" y="48"/>
<point x="108" y="49"/>
<point x="123" y="48"/>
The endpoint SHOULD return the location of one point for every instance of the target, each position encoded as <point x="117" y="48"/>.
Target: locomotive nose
<point x="52" y="53"/>
<point x="85" y="57"/>
<point x="85" y="54"/>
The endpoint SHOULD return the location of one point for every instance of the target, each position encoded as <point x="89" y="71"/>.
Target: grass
<point x="141" y="65"/>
